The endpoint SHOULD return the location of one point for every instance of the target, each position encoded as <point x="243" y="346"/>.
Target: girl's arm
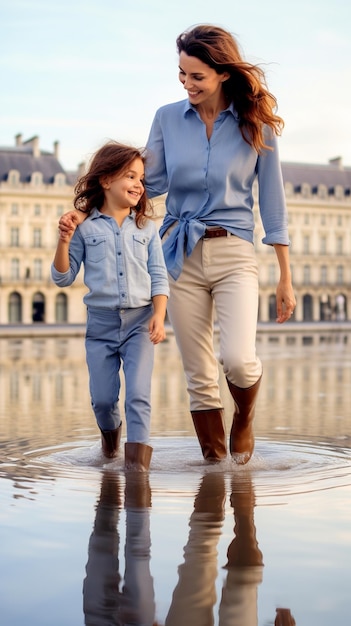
<point x="285" y="297"/>
<point x="156" y="325"/>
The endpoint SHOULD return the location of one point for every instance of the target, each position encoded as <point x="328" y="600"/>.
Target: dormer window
<point x="13" y="178"/>
<point x="60" y="180"/>
<point x="37" y="179"/>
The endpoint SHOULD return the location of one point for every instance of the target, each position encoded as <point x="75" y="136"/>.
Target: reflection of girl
<point x="125" y="272"/>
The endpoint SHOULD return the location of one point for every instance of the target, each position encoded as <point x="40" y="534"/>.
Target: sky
<point x="81" y="72"/>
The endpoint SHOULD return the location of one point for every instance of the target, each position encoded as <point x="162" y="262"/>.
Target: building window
<point x="272" y="308"/>
<point x="323" y="219"/>
<point x="61" y="308"/>
<point x="38" y="308"/>
<point x="306" y="219"/>
<point x="307" y="274"/>
<point x="307" y="308"/>
<point x="339" y="245"/>
<point x="14" y="209"/>
<point x="323" y="245"/>
<point x="38" y="269"/>
<point x="15" y="269"/>
<point x="14" y="237"/>
<point x="324" y="275"/>
<point x="15" y="308"/>
<point x="306" y="244"/>
<point x="37" y="238"/>
<point x="13" y="178"/>
<point x="37" y="209"/>
<point x="59" y="210"/>
<point x="340" y="275"/>
<point x="37" y="179"/>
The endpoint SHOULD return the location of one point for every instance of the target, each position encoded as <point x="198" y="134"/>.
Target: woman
<point x="205" y="152"/>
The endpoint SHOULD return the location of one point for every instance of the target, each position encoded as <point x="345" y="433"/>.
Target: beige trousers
<point x="221" y="273"/>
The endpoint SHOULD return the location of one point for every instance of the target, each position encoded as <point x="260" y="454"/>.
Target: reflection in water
<point x="104" y="604"/>
<point x="110" y="599"/>
<point x="52" y="473"/>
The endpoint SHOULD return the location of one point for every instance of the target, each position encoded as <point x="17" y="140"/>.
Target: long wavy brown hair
<point x="246" y="87"/>
<point x="111" y="159"/>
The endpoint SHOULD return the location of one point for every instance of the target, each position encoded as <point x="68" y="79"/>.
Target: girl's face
<point x="201" y="81"/>
<point x="125" y="190"/>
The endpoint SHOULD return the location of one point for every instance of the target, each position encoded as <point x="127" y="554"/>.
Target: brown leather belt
<point x="215" y="232"/>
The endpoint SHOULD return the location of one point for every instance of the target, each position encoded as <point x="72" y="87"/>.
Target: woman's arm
<point x="285" y="296"/>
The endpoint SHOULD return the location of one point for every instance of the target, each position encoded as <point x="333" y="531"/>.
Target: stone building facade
<point x="35" y="190"/>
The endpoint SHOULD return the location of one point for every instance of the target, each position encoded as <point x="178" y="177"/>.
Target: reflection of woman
<point x="103" y="603"/>
<point x="206" y="152"/>
<point x="194" y="597"/>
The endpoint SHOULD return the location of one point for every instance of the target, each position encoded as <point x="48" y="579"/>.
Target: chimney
<point x="56" y="149"/>
<point x="336" y="162"/>
<point x="18" y="139"/>
<point x="33" y="142"/>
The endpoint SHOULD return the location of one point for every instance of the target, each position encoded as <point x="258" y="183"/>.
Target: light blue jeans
<point x="113" y="338"/>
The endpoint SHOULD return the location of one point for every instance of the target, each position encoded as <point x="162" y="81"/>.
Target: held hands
<point x="157" y="331"/>
<point x="68" y="224"/>
<point x="286" y="301"/>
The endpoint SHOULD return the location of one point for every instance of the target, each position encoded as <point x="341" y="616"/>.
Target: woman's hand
<point x="286" y="301"/>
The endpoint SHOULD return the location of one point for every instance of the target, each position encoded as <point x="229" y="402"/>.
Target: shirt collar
<point x="189" y="107"/>
<point x="96" y="213"/>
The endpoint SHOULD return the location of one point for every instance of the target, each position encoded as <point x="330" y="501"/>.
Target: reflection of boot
<point x="137" y="490"/>
<point x="210" y="432"/>
<point x="110" y="440"/>
<point x="243" y="550"/>
<point x="138" y="601"/>
<point x="241" y="441"/>
<point x="101" y="596"/>
<point x="137" y="456"/>
<point x="238" y="605"/>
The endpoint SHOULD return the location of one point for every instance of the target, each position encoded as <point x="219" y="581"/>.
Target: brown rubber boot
<point x="241" y="440"/>
<point x="209" y="426"/>
<point x="110" y="440"/>
<point x="137" y="456"/>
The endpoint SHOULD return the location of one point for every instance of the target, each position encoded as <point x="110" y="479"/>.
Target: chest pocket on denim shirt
<point x="95" y="248"/>
<point x="140" y="247"/>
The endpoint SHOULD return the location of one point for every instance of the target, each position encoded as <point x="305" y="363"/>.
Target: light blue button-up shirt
<point x="124" y="266"/>
<point x="209" y="182"/>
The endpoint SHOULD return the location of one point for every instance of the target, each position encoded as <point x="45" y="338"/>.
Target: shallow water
<point x="83" y="543"/>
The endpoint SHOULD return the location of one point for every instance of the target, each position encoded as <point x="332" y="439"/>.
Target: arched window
<point x="38" y="307"/>
<point x="307" y="304"/>
<point x="15" y="307"/>
<point x="272" y="305"/>
<point x="61" y="308"/>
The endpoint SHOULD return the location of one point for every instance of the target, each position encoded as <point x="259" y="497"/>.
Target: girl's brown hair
<point x="111" y="159"/>
<point x="246" y="87"/>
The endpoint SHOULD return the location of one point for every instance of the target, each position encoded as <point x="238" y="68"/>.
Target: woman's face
<point x="201" y="81"/>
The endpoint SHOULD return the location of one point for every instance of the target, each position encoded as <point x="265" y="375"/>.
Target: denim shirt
<point x="123" y="266"/>
<point x="210" y="182"/>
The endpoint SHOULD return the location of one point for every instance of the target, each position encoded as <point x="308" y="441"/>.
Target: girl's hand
<point x="157" y="331"/>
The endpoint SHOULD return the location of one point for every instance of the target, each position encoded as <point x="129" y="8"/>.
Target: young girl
<point x="125" y="273"/>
